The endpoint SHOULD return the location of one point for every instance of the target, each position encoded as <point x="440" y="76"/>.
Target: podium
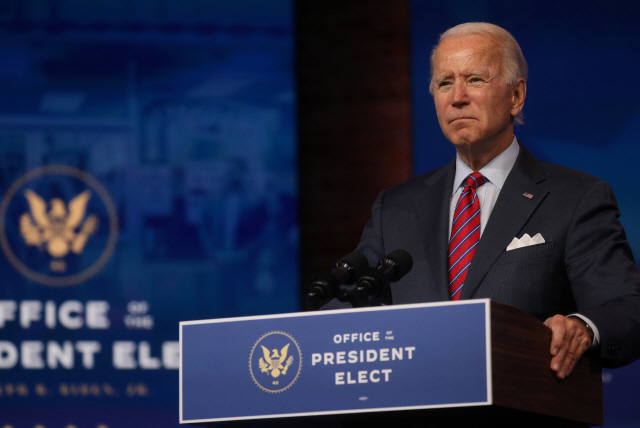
<point x="468" y="363"/>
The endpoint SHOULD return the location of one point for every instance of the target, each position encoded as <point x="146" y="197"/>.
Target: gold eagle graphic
<point x="275" y="363"/>
<point x="57" y="228"/>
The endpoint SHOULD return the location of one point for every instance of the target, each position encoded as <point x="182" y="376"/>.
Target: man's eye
<point x="475" y="80"/>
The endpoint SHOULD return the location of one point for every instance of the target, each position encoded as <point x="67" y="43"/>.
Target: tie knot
<point x="474" y="180"/>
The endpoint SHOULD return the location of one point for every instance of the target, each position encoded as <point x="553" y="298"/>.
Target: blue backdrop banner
<point x="147" y="176"/>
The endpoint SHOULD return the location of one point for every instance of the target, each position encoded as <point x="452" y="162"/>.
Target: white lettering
<point x="123" y="355"/>
<point x="145" y="359"/>
<point x="71" y="314"/>
<point x="31" y="354"/>
<point x="7" y="311"/>
<point x="369" y="336"/>
<point x="50" y="314"/>
<point x="139" y="322"/>
<point x="88" y="348"/>
<point x="138" y="308"/>
<point x="65" y="314"/>
<point x="362" y="376"/>
<point x="59" y="354"/>
<point x="384" y="354"/>
<point x="328" y="358"/>
<point x="8" y="355"/>
<point x="171" y="355"/>
<point x="373" y="378"/>
<point x="363" y="356"/>
<point x="30" y="310"/>
<point x="386" y="374"/>
<point x="410" y="350"/>
<point x="97" y="314"/>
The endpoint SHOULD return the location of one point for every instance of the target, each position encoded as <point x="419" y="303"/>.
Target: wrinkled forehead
<point x="467" y="53"/>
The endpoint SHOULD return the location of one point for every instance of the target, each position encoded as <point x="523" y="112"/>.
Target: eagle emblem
<point x="274" y="362"/>
<point x="61" y="229"/>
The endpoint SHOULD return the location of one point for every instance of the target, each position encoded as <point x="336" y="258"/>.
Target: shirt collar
<point x="495" y="171"/>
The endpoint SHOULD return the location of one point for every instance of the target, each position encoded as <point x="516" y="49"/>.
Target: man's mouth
<point x="461" y="118"/>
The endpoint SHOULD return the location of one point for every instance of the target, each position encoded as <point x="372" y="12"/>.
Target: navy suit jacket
<point x="585" y="265"/>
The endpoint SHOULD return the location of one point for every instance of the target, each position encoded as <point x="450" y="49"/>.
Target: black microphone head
<point x="323" y="286"/>
<point x="354" y="263"/>
<point x="400" y="262"/>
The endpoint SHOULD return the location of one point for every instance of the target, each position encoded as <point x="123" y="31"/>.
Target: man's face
<point x="473" y="103"/>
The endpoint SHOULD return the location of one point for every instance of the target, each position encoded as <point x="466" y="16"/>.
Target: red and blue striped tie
<point x="465" y="233"/>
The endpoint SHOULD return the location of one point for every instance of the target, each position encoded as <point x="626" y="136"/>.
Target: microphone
<point x="395" y="265"/>
<point x="325" y="286"/>
<point x="391" y="268"/>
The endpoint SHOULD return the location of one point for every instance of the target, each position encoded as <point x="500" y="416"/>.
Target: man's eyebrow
<point x="441" y="78"/>
<point x="477" y="73"/>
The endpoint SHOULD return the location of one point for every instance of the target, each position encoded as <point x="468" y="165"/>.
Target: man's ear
<point x="518" y="94"/>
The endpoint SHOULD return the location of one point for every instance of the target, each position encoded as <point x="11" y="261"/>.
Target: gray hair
<point x="514" y="65"/>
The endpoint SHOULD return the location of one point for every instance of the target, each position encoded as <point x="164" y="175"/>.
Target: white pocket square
<point x="525" y="241"/>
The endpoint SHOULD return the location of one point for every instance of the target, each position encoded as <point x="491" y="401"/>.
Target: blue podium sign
<point x="330" y="362"/>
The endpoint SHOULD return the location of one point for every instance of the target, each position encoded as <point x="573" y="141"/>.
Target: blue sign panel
<point x="399" y="357"/>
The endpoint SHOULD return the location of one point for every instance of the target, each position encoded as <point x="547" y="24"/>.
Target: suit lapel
<point x="432" y="208"/>
<point x="509" y="215"/>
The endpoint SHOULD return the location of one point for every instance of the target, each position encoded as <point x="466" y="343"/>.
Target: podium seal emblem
<point x="275" y="362"/>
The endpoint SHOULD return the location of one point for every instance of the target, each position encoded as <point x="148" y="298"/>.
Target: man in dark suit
<point x="531" y="234"/>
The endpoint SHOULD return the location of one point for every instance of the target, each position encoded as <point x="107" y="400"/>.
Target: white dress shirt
<point x="495" y="173"/>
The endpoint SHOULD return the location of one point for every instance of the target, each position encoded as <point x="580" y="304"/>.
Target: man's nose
<point x="459" y="94"/>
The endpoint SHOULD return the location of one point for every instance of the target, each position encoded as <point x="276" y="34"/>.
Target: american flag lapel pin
<point x="527" y="195"/>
